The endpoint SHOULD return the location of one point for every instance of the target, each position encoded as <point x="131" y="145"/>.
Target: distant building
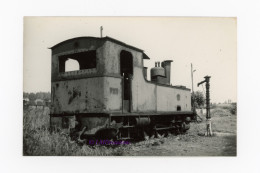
<point x="25" y="101"/>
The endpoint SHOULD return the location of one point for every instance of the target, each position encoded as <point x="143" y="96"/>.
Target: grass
<point x="39" y="141"/>
<point x="223" y="143"/>
<point x="191" y="144"/>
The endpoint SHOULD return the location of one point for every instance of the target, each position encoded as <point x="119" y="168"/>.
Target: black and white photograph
<point x="130" y="86"/>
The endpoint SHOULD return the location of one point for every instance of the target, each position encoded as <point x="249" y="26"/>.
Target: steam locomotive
<point x="109" y="97"/>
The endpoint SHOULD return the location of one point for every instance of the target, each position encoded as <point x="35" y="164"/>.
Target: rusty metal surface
<point x="142" y="121"/>
<point x="99" y="90"/>
<point x="93" y="124"/>
<point x="164" y="113"/>
<point x="74" y="95"/>
<point x="78" y="96"/>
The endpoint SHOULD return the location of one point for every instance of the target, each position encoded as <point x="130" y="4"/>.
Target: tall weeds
<point x="39" y="141"/>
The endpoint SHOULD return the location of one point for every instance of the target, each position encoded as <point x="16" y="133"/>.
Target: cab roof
<point x="104" y="39"/>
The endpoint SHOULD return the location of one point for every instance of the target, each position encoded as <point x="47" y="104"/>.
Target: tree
<point x="197" y="99"/>
<point x="25" y="95"/>
<point x="38" y="95"/>
<point x="32" y="96"/>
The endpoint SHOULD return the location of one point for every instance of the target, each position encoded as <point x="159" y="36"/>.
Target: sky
<point x="210" y="44"/>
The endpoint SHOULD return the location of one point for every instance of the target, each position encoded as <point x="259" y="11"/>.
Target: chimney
<point x="145" y="72"/>
<point x="167" y="66"/>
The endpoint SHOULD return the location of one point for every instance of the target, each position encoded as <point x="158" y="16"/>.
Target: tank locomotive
<point x="109" y="96"/>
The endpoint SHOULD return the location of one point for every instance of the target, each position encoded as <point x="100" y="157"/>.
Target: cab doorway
<point x="126" y="70"/>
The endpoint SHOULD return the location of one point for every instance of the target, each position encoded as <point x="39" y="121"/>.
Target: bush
<point x="233" y="109"/>
<point x="197" y="99"/>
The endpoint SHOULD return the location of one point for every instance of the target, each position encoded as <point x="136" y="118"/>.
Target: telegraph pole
<point x="191" y="77"/>
<point x="208" y="117"/>
<point x="192" y="91"/>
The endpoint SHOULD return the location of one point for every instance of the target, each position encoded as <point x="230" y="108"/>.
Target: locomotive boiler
<point x="109" y="96"/>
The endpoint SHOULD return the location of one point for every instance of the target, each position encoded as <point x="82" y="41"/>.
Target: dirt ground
<point x="223" y="143"/>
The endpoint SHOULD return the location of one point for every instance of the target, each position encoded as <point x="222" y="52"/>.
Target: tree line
<point x="38" y="95"/>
